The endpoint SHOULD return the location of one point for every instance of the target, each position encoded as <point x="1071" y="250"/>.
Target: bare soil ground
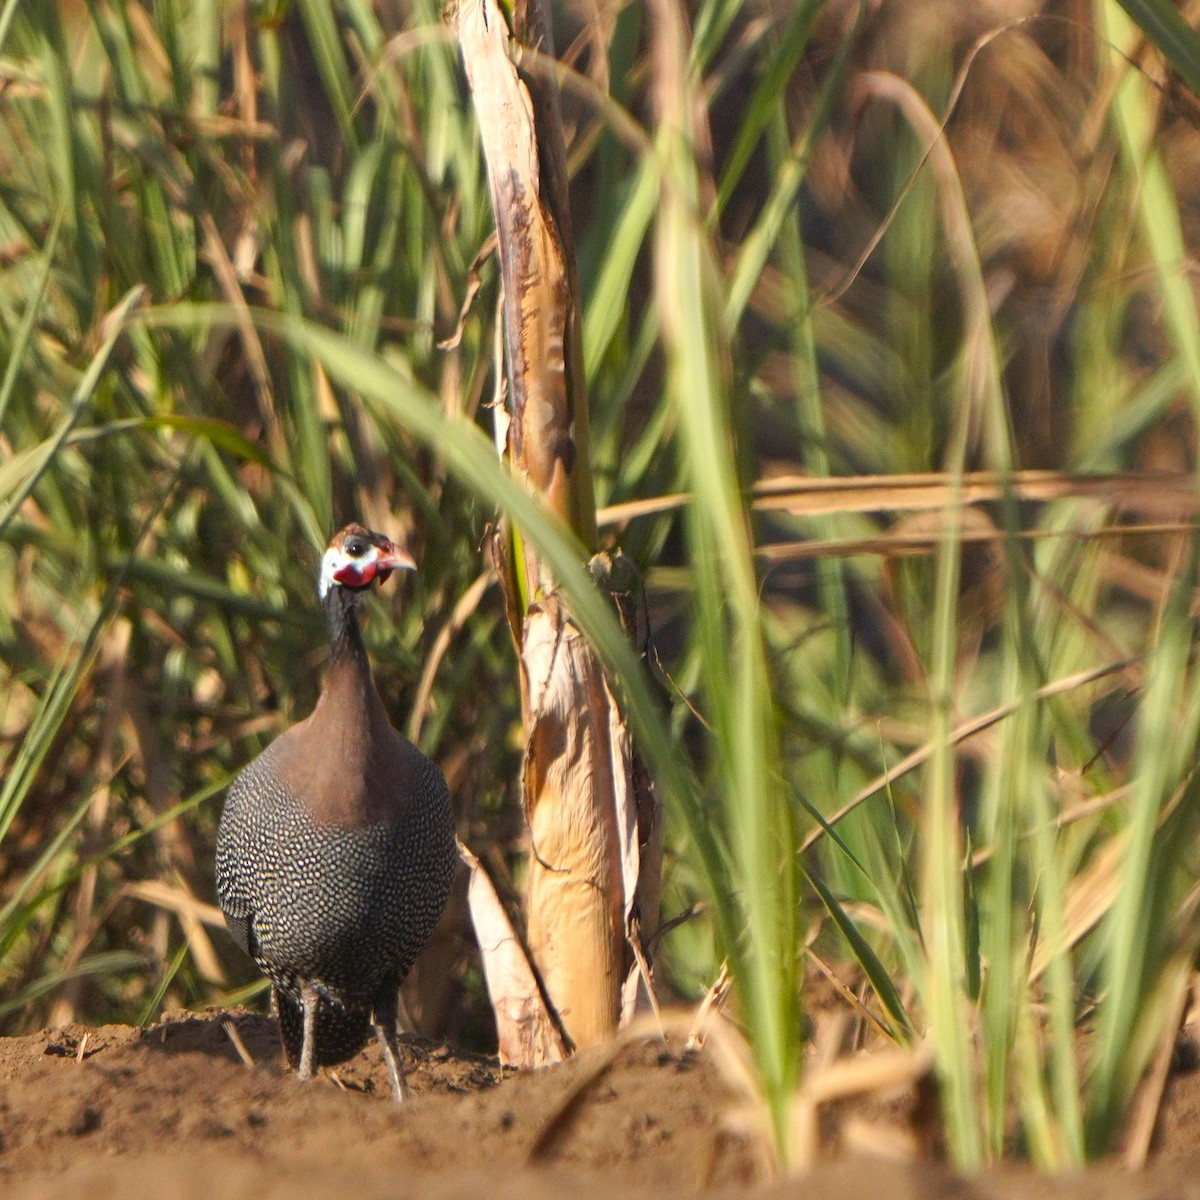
<point x="173" y="1111"/>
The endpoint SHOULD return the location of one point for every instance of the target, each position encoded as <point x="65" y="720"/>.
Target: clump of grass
<point x="939" y="722"/>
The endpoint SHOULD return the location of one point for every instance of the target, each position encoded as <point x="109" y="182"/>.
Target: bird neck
<point x="339" y="761"/>
<point x="345" y="638"/>
<point x="348" y="696"/>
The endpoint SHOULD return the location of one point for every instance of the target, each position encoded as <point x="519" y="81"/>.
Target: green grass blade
<point x="79" y="401"/>
<point x="1161" y="22"/>
<point x="23" y="337"/>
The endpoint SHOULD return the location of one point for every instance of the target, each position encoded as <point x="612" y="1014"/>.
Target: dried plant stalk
<point x="580" y="784"/>
<point x="523" y="149"/>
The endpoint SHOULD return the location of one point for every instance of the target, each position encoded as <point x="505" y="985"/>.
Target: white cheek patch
<point x="329" y="564"/>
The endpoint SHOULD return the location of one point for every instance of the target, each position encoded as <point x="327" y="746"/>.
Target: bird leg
<point x="383" y="1021"/>
<point x="309" y="998"/>
<point x="277" y="1003"/>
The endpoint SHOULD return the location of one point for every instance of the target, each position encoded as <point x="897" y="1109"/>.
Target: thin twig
<point x="236" y="1038"/>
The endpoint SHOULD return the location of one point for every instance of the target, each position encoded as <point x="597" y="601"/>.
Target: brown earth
<point x="173" y="1111"/>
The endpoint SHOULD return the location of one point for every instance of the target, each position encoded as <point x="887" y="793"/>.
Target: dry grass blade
<point x="1147" y="1103"/>
<point x="1160" y="493"/>
<point x="852" y="1001"/>
<point x="193" y="916"/>
<point x="1157" y="493"/>
<point x="1093" y="890"/>
<point x="176" y="899"/>
<point x="566" y="1107"/>
<point x="897" y="545"/>
<point x="1090" y="895"/>
<point x="959" y="734"/>
<point x="726" y="1048"/>
<point x="468" y="602"/>
<point x="882" y="1071"/>
<point x="709" y="1009"/>
<point x="231" y="1032"/>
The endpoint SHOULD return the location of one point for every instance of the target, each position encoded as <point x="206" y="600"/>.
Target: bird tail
<point x="340" y="1032"/>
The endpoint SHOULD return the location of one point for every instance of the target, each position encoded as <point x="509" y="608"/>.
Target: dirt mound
<point x="173" y="1110"/>
<point x="200" y="1106"/>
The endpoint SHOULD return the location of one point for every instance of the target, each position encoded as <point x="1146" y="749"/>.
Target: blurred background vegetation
<point x="919" y="271"/>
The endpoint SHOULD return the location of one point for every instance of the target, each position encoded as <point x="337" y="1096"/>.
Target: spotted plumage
<point x="336" y="847"/>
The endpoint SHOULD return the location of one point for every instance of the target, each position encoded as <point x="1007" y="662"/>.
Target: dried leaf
<point x="576" y="892"/>
<point x="528" y="1035"/>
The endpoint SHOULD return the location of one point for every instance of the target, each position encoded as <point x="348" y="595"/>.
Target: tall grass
<point x="935" y="726"/>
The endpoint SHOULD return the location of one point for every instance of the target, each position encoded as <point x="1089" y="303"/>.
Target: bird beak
<point x="393" y="558"/>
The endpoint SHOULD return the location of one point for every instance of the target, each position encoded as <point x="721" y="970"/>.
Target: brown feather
<point x="345" y="761"/>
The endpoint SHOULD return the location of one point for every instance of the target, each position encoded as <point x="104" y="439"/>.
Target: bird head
<point x="358" y="557"/>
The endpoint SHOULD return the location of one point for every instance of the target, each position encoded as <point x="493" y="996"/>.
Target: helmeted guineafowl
<point x="336" y="847"/>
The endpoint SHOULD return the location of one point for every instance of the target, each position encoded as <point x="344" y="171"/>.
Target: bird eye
<point x="356" y="548"/>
